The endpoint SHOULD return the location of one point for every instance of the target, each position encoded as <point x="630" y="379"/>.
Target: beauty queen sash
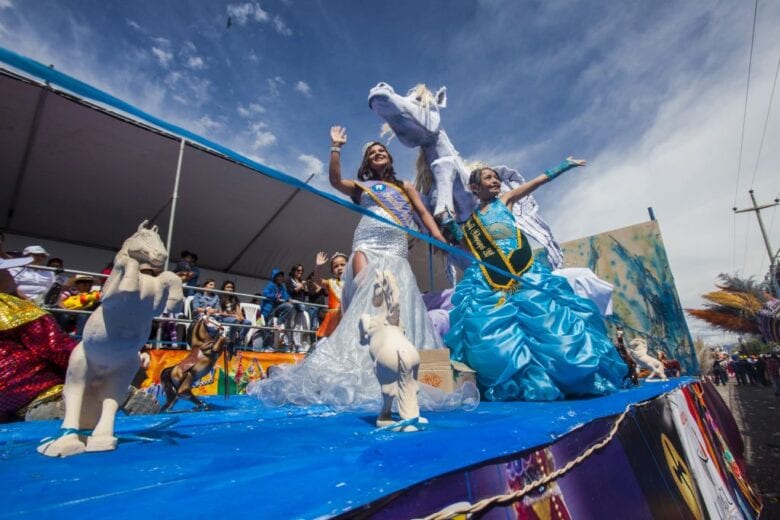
<point x="392" y="199"/>
<point x="485" y="248"/>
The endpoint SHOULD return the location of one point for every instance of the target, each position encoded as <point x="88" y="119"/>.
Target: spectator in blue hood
<point x="276" y="299"/>
<point x="275" y="307"/>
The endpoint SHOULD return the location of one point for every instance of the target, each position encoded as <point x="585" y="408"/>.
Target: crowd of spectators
<point x="281" y="316"/>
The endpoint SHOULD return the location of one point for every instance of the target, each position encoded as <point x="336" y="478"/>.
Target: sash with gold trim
<point x="484" y="247"/>
<point x="392" y="199"/>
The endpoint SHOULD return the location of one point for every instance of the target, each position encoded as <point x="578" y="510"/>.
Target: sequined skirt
<point x="33" y="358"/>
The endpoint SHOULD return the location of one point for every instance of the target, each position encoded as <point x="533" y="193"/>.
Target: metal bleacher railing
<point x="186" y="317"/>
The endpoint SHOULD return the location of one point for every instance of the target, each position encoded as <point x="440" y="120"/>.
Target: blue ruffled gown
<point x="543" y="343"/>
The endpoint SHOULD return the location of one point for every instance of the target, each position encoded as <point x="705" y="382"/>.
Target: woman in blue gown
<point x="528" y="336"/>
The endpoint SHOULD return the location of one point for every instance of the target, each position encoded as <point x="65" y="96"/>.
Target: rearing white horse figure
<point x="442" y="177"/>
<point x="104" y="362"/>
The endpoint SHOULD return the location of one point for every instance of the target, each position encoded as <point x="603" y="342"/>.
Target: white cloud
<point x="208" y="124"/>
<point x="162" y="56"/>
<point x="132" y="24"/>
<point x="243" y="13"/>
<point x="195" y="63"/>
<point x="274" y="84"/>
<point x="303" y="88"/>
<point x="311" y="165"/>
<point x="281" y="27"/>
<point x="261" y="136"/>
<point x="684" y="166"/>
<point x="6" y="4"/>
<point x="250" y="110"/>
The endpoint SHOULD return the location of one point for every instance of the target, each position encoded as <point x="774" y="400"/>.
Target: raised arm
<point x="319" y="262"/>
<point x="338" y="138"/>
<point x="512" y="196"/>
<point x="422" y="211"/>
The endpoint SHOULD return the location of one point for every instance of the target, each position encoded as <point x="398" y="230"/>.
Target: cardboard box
<point x="437" y="370"/>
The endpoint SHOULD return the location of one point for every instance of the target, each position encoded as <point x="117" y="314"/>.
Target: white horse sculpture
<point x="396" y="360"/>
<point x="102" y="366"/>
<point x="638" y="350"/>
<point x="442" y="177"/>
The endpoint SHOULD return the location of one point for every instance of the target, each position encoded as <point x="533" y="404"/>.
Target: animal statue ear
<point x="142" y="225"/>
<point x="155" y="228"/>
<point x="441" y="97"/>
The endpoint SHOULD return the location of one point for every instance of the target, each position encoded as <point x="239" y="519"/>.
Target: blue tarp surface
<point x="273" y="463"/>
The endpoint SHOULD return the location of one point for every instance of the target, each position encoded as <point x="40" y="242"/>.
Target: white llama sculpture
<point x="396" y="360"/>
<point x="638" y="350"/>
<point x="103" y="364"/>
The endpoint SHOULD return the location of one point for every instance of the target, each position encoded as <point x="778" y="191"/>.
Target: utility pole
<point x="758" y="209"/>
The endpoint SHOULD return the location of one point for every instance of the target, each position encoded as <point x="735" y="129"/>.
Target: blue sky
<point x="651" y="93"/>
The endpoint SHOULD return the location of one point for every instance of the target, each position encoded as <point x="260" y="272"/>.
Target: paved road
<point x="757" y="412"/>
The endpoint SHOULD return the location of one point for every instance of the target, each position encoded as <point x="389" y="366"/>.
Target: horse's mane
<point x="423" y="180"/>
<point x="424" y="96"/>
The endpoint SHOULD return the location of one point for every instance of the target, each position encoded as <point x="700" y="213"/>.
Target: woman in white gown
<point x="340" y="372"/>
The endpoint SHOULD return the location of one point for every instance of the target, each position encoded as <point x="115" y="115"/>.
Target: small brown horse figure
<point x="178" y="380"/>
<point x="621" y="348"/>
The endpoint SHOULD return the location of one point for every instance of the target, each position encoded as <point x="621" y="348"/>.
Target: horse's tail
<point x="423" y="181"/>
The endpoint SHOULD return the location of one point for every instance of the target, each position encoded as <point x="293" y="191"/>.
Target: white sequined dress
<point x="340" y="372"/>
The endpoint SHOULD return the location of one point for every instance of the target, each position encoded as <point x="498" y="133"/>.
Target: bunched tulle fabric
<point x="340" y="372"/>
<point x="542" y="343"/>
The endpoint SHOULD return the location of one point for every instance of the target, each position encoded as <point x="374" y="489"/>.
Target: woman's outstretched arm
<point x="512" y="196"/>
<point x="338" y="138"/>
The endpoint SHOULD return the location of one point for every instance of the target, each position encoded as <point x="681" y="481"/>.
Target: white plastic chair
<point x="188" y="307"/>
<point x="252" y="313"/>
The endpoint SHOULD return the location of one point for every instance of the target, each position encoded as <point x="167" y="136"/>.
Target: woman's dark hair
<point x="295" y="268"/>
<point x="226" y="282"/>
<point x="386" y="175"/>
<point x="208" y="282"/>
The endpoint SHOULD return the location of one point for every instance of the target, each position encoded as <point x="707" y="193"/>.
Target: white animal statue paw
<point x="66" y="444"/>
<point x="101" y="443"/>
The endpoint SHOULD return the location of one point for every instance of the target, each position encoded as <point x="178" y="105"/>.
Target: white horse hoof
<point x="64" y="446"/>
<point x="101" y="443"/>
<point x="406" y="429"/>
<point x="383" y="423"/>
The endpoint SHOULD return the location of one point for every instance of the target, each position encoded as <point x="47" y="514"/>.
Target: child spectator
<point x="333" y="287"/>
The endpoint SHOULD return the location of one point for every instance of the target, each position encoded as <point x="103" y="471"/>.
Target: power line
<point x="766" y="121"/>
<point x="744" y="112"/>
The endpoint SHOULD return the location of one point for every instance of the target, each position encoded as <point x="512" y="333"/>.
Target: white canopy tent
<point x="86" y="170"/>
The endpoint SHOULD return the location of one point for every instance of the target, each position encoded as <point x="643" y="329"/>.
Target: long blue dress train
<point x="543" y="343"/>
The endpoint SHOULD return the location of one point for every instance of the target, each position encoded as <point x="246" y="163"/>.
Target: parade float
<point x="657" y="450"/>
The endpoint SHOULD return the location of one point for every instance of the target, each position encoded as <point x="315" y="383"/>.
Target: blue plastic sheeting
<point x="273" y="463"/>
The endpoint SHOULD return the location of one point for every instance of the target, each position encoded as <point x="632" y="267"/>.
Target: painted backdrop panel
<point x="645" y="301"/>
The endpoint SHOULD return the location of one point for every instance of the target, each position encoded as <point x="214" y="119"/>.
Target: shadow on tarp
<point x="276" y="462"/>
